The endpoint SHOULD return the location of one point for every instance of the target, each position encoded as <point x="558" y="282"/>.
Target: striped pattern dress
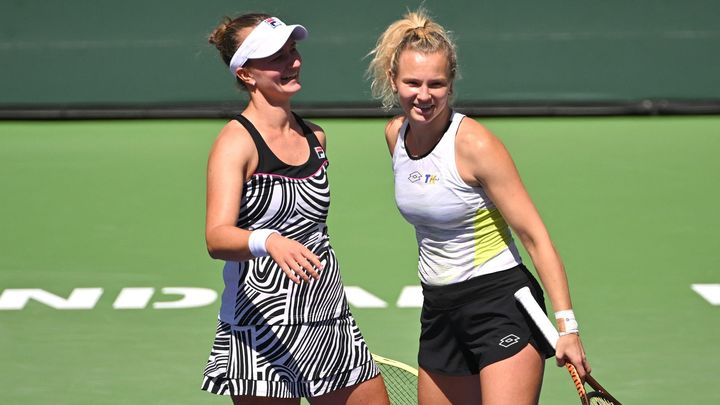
<point x="276" y="338"/>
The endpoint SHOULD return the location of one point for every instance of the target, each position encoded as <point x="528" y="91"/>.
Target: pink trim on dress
<point x="324" y="163"/>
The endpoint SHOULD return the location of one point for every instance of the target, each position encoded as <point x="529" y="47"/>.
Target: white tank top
<point x="459" y="231"/>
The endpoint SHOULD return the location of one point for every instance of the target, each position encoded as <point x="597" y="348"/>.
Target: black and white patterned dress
<point x="276" y="338"/>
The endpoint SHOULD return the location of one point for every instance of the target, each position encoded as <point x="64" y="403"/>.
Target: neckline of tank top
<point x="418" y="157"/>
<point x="305" y="135"/>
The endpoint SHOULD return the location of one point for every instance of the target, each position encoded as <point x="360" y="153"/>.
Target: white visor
<point x="264" y="40"/>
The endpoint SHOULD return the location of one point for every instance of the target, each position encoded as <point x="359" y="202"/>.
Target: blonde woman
<point x="457" y="185"/>
<point x="284" y="329"/>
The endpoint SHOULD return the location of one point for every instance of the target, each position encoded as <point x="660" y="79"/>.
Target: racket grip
<point x="527" y="300"/>
<point x="579" y="386"/>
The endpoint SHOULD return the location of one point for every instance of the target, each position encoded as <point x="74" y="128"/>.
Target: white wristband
<point x="257" y="241"/>
<point x="566" y="322"/>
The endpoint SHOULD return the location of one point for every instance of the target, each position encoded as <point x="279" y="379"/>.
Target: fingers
<point x="582" y="371"/>
<point x="303" y="267"/>
<point x="308" y="264"/>
<point x="570" y="350"/>
<point x="294" y="259"/>
<point x="581" y="366"/>
<point x="300" y="268"/>
<point x="289" y="273"/>
<point x="586" y="365"/>
<point x="315" y="263"/>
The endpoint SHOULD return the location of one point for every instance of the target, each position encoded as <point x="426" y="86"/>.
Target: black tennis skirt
<point x="471" y="324"/>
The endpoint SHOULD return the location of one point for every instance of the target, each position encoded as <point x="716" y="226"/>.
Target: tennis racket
<point x="400" y="380"/>
<point x="599" y="396"/>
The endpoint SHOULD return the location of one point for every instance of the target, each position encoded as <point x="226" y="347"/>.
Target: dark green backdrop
<point x="145" y="52"/>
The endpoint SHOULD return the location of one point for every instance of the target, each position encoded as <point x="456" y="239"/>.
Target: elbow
<point x="537" y="244"/>
<point x="224" y="245"/>
<point x="213" y="249"/>
<point x="213" y="252"/>
<point x="526" y="239"/>
<point x="220" y="251"/>
<point x="529" y="242"/>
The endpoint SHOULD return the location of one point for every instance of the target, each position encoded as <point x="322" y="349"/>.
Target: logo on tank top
<point x="416" y="176"/>
<point x="320" y="152"/>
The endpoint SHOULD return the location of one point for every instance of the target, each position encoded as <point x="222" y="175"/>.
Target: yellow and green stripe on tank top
<point x="491" y="235"/>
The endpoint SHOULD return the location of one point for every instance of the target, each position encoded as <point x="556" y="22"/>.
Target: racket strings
<point x="598" y="398"/>
<point x="401" y="385"/>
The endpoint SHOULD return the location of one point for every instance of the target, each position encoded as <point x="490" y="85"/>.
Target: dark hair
<point x="226" y="37"/>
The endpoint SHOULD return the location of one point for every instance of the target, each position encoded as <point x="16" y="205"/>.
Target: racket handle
<point x="526" y="299"/>
<point x="579" y="386"/>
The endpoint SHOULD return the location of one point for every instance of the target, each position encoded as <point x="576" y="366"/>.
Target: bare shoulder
<point x="318" y="131"/>
<point x="234" y="142"/>
<point x="233" y="132"/>
<point x="392" y="130"/>
<point x="473" y="138"/>
<point x="393" y="127"/>
<point x="480" y="155"/>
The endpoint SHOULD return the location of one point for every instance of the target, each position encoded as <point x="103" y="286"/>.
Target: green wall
<point x="98" y="52"/>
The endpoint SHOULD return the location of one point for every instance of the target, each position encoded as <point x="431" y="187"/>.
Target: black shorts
<point x="469" y="325"/>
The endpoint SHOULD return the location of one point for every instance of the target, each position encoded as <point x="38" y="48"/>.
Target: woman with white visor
<point x="284" y="330"/>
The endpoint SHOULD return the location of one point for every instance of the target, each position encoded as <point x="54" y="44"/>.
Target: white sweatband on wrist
<point x="257" y="241"/>
<point x="566" y="322"/>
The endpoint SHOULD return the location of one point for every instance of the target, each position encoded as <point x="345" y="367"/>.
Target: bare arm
<point x="232" y="160"/>
<point x="229" y="165"/>
<point x="392" y="132"/>
<point x="483" y="160"/>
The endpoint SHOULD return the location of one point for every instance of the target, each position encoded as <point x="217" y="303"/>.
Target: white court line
<point x="711" y="292"/>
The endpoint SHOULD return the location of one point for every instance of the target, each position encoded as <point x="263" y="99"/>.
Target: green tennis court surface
<point x="107" y="217"/>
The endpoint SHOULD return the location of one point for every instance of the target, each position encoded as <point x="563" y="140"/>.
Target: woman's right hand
<point x="570" y="350"/>
<point x="295" y="260"/>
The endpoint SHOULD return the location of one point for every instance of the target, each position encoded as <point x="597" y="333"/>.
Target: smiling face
<point x="423" y="85"/>
<point x="278" y="74"/>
